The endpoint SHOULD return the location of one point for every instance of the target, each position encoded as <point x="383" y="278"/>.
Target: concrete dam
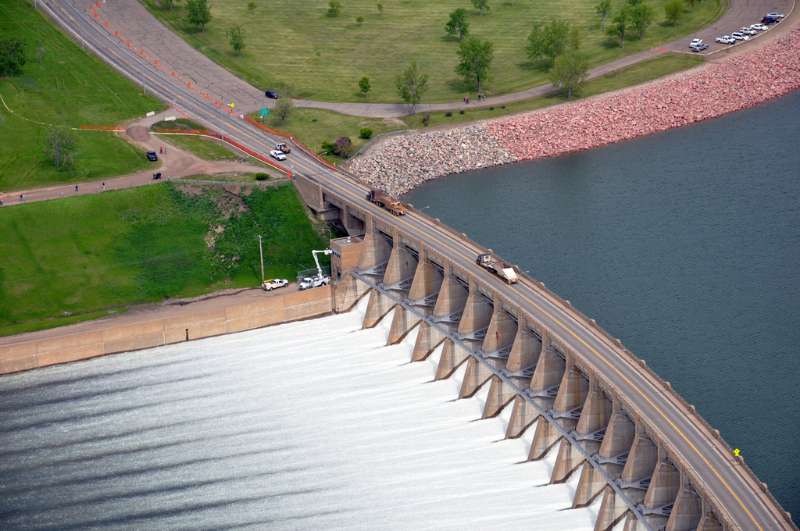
<point x="616" y="445"/>
<point x="313" y="424"/>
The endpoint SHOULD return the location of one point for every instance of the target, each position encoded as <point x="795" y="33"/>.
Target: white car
<point x="747" y="31"/>
<point x="695" y="42"/>
<point x="277" y="155"/>
<point x="739" y="36"/>
<point x="274" y="283"/>
<point x="726" y="39"/>
<point x="775" y="15"/>
<point x="759" y="27"/>
<point x="313" y="282"/>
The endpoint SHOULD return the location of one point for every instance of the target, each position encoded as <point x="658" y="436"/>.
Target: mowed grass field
<point x="292" y="43"/>
<point x="61" y="85"/>
<point x="84" y="257"/>
<point x="315" y="126"/>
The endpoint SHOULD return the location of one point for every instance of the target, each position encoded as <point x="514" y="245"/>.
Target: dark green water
<point x="684" y="244"/>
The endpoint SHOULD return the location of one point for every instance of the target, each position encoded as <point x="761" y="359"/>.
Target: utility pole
<point x="261" y="253"/>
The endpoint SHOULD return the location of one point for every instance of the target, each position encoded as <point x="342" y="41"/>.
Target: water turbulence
<point x="310" y="424"/>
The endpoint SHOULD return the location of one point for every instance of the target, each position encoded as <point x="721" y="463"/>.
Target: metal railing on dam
<point x="636" y="444"/>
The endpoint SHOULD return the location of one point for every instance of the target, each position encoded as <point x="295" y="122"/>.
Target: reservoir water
<point x="686" y="245"/>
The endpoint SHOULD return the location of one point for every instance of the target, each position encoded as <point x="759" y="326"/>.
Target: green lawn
<point x="627" y="77"/>
<point x="292" y="43"/>
<point x="312" y="126"/>
<point x="203" y="147"/>
<point x="80" y="258"/>
<point x="63" y="85"/>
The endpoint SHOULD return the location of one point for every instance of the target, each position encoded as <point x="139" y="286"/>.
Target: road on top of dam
<point x="734" y="491"/>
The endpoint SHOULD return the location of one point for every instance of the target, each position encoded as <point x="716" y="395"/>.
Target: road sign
<point x="232" y="105"/>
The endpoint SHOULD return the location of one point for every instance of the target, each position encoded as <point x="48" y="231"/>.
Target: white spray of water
<point x="315" y="424"/>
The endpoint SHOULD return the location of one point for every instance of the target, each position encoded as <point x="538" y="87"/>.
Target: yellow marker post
<point x="232" y="105"/>
<point x="737" y="452"/>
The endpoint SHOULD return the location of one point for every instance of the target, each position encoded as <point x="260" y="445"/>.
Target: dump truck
<point x="384" y="200"/>
<point x="503" y="270"/>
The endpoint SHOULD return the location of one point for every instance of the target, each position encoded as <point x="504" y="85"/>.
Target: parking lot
<point x="739" y="14"/>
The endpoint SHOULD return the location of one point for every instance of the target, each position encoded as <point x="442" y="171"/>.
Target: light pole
<point x="261" y="254"/>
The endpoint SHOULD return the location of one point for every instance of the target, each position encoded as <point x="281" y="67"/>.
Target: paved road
<point x="735" y="492"/>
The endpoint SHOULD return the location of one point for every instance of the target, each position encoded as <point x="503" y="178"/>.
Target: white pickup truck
<point x="274" y="283"/>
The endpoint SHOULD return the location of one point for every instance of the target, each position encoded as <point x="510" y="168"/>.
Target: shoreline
<point x="738" y="82"/>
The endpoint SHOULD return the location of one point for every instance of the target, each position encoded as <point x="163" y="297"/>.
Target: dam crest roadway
<point x="635" y="444"/>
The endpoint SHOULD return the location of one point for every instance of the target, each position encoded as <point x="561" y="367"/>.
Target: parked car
<point x="271" y="94"/>
<point x="770" y="20"/>
<point x="739" y="37"/>
<point x="726" y="39"/>
<point x="759" y="26"/>
<point x="699" y="47"/>
<point x="277" y="155"/>
<point x="747" y="30"/>
<point x="274" y="283"/>
<point x="695" y="42"/>
<point x="775" y="14"/>
<point x="152" y="156"/>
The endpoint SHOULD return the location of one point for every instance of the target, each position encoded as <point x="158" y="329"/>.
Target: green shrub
<point x="262" y="177"/>
<point x="365" y="133"/>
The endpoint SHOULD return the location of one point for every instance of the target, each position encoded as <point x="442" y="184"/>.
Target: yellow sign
<point x="737" y="452"/>
<point x="232" y="105"/>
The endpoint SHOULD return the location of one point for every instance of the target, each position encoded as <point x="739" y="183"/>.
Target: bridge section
<point x="558" y="386"/>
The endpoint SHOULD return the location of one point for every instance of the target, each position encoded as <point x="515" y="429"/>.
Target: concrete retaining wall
<point x="124" y="334"/>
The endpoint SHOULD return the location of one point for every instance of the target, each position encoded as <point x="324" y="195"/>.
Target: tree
<point x="569" y="71"/>
<point x="60" y="145"/>
<point x="283" y="109"/>
<point x="481" y="5"/>
<point x="475" y="58"/>
<point x="548" y="41"/>
<point x="641" y="18"/>
<point x="359" y="20"/>
<point x="458" y="25"/>
<point x="12" y="57"/>
<point x="343" y="147"/>
<point x="334" y="8"/>
<point x="380" y="8"/>
<point x="603" y="8"/>
<point x="364" y="86"/>
<point x="251" y="6"/>
<point x="236" y="39"/>
<point x="411" y="85"/>
<point x="198" y="13"/>
<point x="673" y="11"/>
<point x="619" y="25"/>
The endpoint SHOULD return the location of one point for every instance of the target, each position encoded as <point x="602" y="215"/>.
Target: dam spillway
<point x="304" y="425"/>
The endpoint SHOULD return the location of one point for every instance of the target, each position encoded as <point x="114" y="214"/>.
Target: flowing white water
<point x="306" y="425"/>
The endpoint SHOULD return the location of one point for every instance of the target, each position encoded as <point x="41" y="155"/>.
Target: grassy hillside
<point x="293" y="43"/>
<point x="61" y="85"/>
<point x="83" y="257"/>
<point x="314" y="126"/>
